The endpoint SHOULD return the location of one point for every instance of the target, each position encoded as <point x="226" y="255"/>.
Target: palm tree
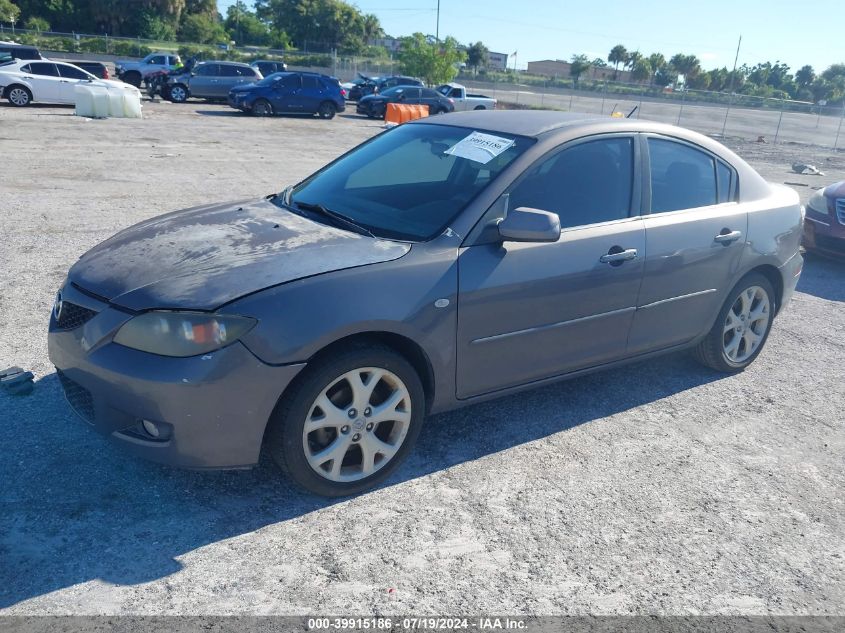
<point x="618" y="54"/>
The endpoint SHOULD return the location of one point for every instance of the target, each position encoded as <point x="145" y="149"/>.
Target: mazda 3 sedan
<point x="441" y="263"/>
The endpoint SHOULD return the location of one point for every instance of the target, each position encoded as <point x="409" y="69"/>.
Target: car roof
<point x="532" y="123"/>
<point x="224" y="63"/>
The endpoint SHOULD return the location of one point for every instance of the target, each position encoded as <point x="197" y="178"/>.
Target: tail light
<point x="343" y="92"/>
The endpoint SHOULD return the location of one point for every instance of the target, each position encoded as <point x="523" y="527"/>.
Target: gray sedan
<point x="441" y="263"/>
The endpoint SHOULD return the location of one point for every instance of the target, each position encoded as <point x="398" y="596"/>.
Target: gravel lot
<point x="657" y="488"/>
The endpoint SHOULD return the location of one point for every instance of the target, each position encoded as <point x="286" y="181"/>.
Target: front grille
<point x="73" y="316"/>
<point x="840" y="210"/>
<point x="78" y="397"/>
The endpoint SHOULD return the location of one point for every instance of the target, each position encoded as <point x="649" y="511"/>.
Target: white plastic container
<point x="84" y="100"/>
<point x="132" y="104"/>
<point x="101" y="102"/>
<point x="115" y="103"/>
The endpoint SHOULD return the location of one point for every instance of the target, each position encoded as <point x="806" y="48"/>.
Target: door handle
<point x="727" y="236"/>
<point x="617" y="255"/>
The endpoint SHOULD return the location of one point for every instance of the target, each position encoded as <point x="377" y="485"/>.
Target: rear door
<point x="45" y="80"/>
<point x="311" y="94"/>
<point x="289" y="91"/>
<point x="230" y="76"/>
<point x="205" y="81"/>
<point x="529" y="311"/>
<point x="695" y="236"/>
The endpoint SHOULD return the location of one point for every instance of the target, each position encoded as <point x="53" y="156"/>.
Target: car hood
<point x="246" y="87"/>
<point x="203" y="257"/>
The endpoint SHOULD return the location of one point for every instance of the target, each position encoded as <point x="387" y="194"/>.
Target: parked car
<point x="134" y="72"/>
<point x="444" y="262"/>
<point x="10" y="51"/>
<point x="98" y="69"/>
<point x="293" y="92"/>
<point x="375" y="85"/>
<point x="211" y="80"/>
<point x="350" y="85"/>
<point x="375" y="105"/>
<point x="267" y="66"/>
<point x="824" y="229"/>
<point x="24" y="82"/>
<point x="463" y="101"/>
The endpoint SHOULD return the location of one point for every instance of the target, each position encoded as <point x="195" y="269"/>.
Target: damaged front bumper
<point x="206" y="411"/>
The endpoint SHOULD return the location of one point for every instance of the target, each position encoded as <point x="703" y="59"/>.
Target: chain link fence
<point x="713" y="113"/>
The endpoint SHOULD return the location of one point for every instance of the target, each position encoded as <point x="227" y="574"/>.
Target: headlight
<point x="182" y="333"/>
<point x="818" y="202"/>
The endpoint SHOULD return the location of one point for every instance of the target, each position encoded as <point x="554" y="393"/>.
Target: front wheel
<point x="326" y="110"/>
<point x="742" y="327"/>
<point x="262" y="107"/>
<point x="19" y="96"/>
<point x="178" y="93"/>
<point x="348" y="421"/>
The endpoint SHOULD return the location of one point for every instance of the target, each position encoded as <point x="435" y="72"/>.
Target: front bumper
<point x="212" y="409"/>
<point x="824" y="237"/>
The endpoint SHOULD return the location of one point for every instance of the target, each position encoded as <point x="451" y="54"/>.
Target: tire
<point x="393" y="430"/>
<point x="19" y="96"/>
<point x="262" y="107"/>
<point x="179" y="93"/>
<point x="479" y="108"/>
<point x="132" y="77"/>
<point x="327" y="110"/>
<point x="742" y="327"/>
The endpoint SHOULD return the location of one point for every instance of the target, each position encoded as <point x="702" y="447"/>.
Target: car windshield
<point x="410" y="182"/>
<point x="270" y="79"/>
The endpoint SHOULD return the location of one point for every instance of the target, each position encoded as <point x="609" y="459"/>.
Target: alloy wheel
<point x="261" y="108"/>
<point x="19" y="96"/>
<point x="178" y="94"/>
<point x="746" y="323"/>
<point x="357" y="424"/>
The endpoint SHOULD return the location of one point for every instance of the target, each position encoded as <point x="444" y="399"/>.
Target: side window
<point x="44" y="69"/>
<point x="71" y="72"/>
<point x="456" y="93"/>
<point x="205" y="70"/>
<point x="158" y="59"/>
<point x="428" y="93"/>
<point x="682" y="177"/>
<point x="229" y="71"/>
<point x="291" y="82"/>
<point x="309" y="82"/>
<point x="25" y="69"/>
<point x="725" y="182"/>
<point x="585" y="184"/>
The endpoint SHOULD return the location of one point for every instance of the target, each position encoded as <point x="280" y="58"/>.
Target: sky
<point x="796" y="33"/>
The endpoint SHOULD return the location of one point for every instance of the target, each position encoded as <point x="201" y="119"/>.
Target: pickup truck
<point x="464" y="101"/>
<point x="133" y="72"/>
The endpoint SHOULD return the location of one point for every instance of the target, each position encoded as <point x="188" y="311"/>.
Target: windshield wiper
<point x="338" y="218"/>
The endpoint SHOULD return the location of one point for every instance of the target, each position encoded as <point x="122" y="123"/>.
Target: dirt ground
<point x="658" y="488"/>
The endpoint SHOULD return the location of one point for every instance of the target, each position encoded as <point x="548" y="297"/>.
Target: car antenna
<point x="628" y="116"/>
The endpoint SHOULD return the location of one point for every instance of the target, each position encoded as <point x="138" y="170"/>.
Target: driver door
<point x="528" y="311"/>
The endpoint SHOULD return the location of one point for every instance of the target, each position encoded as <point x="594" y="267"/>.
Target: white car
<point x="25" y="81"/>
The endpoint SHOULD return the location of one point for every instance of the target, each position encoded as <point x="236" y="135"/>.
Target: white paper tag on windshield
<point x="480" y="147"/>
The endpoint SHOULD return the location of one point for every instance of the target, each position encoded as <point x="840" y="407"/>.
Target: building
<point x="560" y="69"/>
<point x="392" y="44"/>
<point x="497" y="61"/>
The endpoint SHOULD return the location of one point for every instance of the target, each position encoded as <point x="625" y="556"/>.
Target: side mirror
<point x="530" y="225"/>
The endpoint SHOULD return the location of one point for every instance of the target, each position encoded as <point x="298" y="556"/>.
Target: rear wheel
<point x="178" y="93"/>
<point x="327" y="110"/>
<point x="480" y="107"/>
<point x="348" y="421"/>
<point x="742" y="327"/>
<point x="132" y="77"/>
<point x="262" y="107"/>
<point x="19" y="96"/>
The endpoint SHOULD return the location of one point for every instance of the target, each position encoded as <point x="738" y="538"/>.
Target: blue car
<point x="292" y="93"/>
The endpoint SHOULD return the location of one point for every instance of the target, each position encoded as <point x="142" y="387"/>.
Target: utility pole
<point x="731" y="88"/>
<point x="437" y="32"/>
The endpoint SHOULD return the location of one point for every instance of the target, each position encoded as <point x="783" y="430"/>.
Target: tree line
<point x="764" y="79"/>
<point x="318" y="25"/>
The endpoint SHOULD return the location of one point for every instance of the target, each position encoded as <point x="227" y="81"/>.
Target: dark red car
<point x="824" y="226"/>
